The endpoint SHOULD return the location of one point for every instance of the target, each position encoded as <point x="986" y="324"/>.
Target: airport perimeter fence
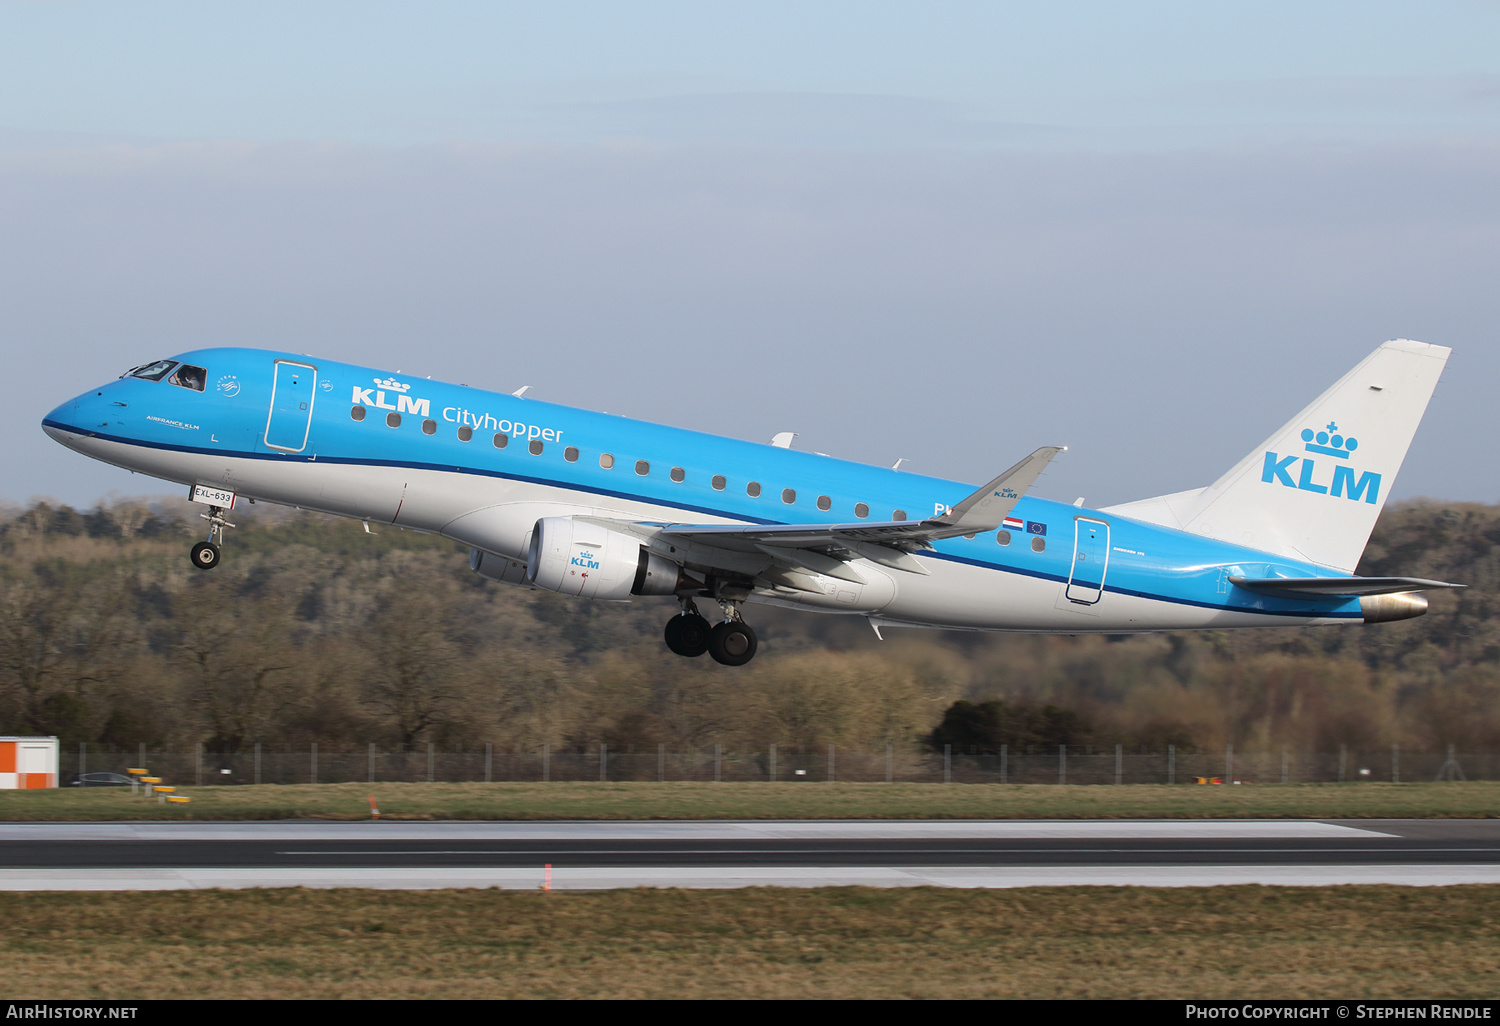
<point x="1059" y="764"/>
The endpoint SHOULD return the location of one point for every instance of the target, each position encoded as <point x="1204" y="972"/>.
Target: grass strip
<point x="511" y="801"/>
<point x="843" y="942"/>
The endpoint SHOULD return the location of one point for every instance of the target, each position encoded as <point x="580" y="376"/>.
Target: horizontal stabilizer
<point x="1334" y="587"/>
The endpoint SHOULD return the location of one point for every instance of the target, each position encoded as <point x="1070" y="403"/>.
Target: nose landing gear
<point x="205" y="554"/>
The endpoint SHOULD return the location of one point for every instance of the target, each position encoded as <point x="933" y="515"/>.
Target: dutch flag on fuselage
<point x="1013" y="524"/>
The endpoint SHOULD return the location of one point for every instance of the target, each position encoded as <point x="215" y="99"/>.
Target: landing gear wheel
<point x="732" y="643"/>
<point x="687" y="634"/>
<point x="205" y="555"/>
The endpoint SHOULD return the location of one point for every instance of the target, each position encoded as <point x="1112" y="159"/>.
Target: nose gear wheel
<point x="205" y="555"/>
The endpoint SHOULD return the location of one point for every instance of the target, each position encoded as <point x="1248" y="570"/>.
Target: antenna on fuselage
<point x="518" y="393"/>
<point x="897" y="464"/>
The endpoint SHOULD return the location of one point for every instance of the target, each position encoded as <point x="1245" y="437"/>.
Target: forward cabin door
<point x="1090" y="561"/>
<point x="291" y="406"/>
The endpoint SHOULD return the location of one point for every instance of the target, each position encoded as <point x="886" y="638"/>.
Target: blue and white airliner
<point x="603" y="507"/>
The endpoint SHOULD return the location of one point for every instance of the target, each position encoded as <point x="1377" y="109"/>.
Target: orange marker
<point x="374" y="809"/>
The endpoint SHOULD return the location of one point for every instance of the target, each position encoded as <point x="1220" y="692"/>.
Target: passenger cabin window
<point x="465" y="433"/>
<point x="571" y="454"/>
<point x="678" y="474"/>
<point x="1038" y="544"/>
<point x="357" y="413"/>
<point x="429" y="427"/>
<point x="1003" y="537"/>
<point x="502" y="440"/>
<point x="900" y="514"/>
<point x="393" y="419"/>
<point x="825" y="503"/>
<point x="535" y="447"/>
<point x="861" y="510"/>
<point x="152" y="371"/>
<point x="719" y="482"/>
<point x="606" y="461"/>
<point x="753" y="489"/>
<point x="642" y="467"/>
<point x="788" y="495"/>
<point x="190" y="377"/>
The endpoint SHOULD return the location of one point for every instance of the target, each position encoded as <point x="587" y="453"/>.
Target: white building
<point x="27" y="762"/>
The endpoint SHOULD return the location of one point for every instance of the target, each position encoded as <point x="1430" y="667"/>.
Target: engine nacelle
<point x="497" y="568"/>
<point x="573" y="557"/>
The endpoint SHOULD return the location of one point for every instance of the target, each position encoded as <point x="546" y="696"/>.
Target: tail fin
<point x="1315" y="488"/>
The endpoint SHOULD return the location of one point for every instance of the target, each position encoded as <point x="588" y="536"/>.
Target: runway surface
<point x="586" y="855"/>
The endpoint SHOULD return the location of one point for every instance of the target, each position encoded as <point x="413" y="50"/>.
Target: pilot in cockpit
<point x="189" y="376"/>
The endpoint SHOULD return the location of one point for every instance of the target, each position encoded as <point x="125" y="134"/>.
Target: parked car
<point x="99" y="780"/>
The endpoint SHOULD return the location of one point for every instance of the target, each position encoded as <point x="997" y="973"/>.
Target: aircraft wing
<point x="1334" y="587"/>
<point x="788" y="550"/>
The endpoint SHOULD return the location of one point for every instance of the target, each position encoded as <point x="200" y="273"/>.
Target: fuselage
<point x="482" y="467"/>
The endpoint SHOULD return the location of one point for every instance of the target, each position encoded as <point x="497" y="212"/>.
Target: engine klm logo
<point x="1346" y="481"/>
<point x="586" y="561"/>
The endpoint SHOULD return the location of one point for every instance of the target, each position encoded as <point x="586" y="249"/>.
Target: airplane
<point x="604" y="507"/>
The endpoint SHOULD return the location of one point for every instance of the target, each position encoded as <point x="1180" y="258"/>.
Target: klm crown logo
<point x="1277" y="469"/>
<point x="1329" y="442"/>
<point x="392" y="384"/>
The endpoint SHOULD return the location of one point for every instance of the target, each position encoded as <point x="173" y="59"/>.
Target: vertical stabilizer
<point x="1315" y="488"/>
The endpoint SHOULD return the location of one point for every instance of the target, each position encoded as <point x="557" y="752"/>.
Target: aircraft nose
<point x="63" y="418"/>
<point x="76" y="416"/>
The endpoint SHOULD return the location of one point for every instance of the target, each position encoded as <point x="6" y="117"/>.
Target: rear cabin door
<point x="291" y="406"/>
<point x="1090" y="561"/>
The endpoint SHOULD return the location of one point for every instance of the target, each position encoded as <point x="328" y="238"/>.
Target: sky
<point x="944" y="232"/>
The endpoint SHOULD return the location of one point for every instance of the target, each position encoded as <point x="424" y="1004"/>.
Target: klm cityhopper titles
<point x="602" y="507"/>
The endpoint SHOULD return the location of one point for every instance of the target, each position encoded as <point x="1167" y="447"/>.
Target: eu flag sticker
<point x="1032" y="527"/>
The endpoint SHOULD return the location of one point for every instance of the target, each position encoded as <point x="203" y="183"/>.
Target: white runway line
<point x="566" y="879"/>
<point x="686" y="830"/>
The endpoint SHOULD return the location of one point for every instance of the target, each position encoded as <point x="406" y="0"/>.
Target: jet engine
<point x="575" y="557"/>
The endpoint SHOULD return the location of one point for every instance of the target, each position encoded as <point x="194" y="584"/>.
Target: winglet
<point x="987" y="508"/>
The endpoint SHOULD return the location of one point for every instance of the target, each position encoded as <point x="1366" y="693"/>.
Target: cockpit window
<point x="189" y="376"/>
<point x="151" y="371"/>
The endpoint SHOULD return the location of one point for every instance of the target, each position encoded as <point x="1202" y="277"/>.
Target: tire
<point x="205" y="555"/>
<point x="732" y="643"/>
<point x="687" y="635"/>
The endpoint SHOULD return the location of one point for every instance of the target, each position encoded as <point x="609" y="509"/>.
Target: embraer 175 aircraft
<point x="604" y="507"/>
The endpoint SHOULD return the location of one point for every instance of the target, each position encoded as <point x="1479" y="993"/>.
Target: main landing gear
<point x="205" y="554"/>
<point x="731" y="642"/>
